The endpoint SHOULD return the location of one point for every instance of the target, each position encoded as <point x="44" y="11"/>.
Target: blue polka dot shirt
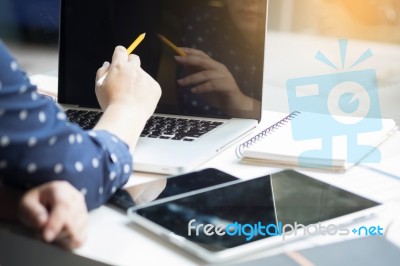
<point x="38" y="144"/>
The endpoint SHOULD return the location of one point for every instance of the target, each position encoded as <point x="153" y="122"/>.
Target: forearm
<point x="9" y="201"/>
<point x="39" y="145"/>
<point x="127" y="123"/>
<point x="96" y="163"/>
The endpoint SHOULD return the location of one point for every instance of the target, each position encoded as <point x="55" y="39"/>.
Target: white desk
<point x="113" y="239"/>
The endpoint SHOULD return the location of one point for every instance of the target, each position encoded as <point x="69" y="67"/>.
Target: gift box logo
<point x="345" y="93"/>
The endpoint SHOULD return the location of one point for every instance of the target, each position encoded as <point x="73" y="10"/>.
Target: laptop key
<point x="156" y="127"/>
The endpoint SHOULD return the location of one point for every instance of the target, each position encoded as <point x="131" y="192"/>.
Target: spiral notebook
<point x="295" y="142"/>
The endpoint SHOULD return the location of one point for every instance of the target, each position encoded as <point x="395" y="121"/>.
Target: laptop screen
<point x="223" y="79"/>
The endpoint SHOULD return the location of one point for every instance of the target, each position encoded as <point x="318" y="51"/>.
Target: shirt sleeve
<point x="38" y="144"/>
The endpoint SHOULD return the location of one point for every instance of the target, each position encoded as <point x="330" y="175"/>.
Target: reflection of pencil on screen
<point x="129" y="50"/>
<point x="172" y="46"/>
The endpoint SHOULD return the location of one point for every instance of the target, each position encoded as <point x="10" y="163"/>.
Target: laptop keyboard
<point x="156" y="127"/>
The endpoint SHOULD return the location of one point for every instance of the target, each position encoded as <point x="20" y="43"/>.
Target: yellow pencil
<point x="135" y="43"/>
<point x="130" y="49"/>
<point x="172" y="46"/>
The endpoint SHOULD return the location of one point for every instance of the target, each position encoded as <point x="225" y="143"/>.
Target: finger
<point x="206" y="87"/>
<point x="120" y="56"/>
<point x="55" y="223"/>
<point x="134" y="59"/>
<point x="72" y="238"/>
<point x="192" y="51"/>
<point x="67" y="243"/>
<point x="64" y="242"/>
<point x="198" y="61"/>
<point x="33" y="212"/>
<point x="102" y="70"/>
<point x="73" y="233"/>
<point x="200" y="77"/>
<point x="76" y="229"/>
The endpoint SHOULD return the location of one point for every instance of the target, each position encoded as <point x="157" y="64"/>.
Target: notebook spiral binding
<point x="265" y="132"/>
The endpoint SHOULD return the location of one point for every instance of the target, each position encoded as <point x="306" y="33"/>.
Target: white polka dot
<point x="92" y="134"/>
<point x="114" y="158"/>
<point x="52" y="140"/>
<point x="42" y="117"/>
<point x="58" y="168"/>
<point x="3" y="164"/>
<point x="23" y="114"/>
<point x="113" y="189"/>
<point x="113" y="175"/>
<point x="14" y="66"/>
<point x="34" y="96"/>
<point x="32" y="141"/>
<point x="4" y="141"/>
<point x="95" y="163"/>
<point x="31" y="168"/>
<point x="2" y="112"/>
<point x="114" y="139"/>
<point x="127" y="168"/>
<point x="84" y="191"/>
<point x="101" y="190"/>
<point x="79" y="138"/>
<point x="71" y="139"/>
<point x="79" y="166"/>
<point x="23" y="89"/>
<point x="61" y="116"/>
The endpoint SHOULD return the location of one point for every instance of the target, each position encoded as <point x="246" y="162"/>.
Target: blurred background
<point x="297" y="29"/>
<point x="30" y="27"/>
<point x="30" y="30"/>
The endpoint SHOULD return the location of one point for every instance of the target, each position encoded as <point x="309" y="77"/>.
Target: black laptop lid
<point x="230" y="33"/>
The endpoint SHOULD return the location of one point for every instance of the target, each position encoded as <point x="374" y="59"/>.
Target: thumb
<point x="32" y="212"/>
<point x="102" y="70"/>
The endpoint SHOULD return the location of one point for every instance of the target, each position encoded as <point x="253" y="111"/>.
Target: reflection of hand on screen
<point x="213" y="80"/>
<point x="146" y="192"/>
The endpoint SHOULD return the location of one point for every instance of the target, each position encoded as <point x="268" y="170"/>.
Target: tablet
<point x="138" y="194"/>
<point x="238" y="217"/>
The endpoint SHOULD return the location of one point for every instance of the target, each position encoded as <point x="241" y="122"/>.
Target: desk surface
<point x="114" y="239"/>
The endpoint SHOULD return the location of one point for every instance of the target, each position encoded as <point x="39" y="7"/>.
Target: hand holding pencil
<point x="128" y="96"/>
<point x="129" y="50"/>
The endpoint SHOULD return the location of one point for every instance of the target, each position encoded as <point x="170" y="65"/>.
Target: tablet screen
<point x="232" y="214"/>
<point x="138" y="194"/>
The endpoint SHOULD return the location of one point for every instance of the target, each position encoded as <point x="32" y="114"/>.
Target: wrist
<point x="130" y="112"/>
<point x="126" y="122"/>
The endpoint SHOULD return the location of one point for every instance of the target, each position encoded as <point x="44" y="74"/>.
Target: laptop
<point x="187" y="128"/>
